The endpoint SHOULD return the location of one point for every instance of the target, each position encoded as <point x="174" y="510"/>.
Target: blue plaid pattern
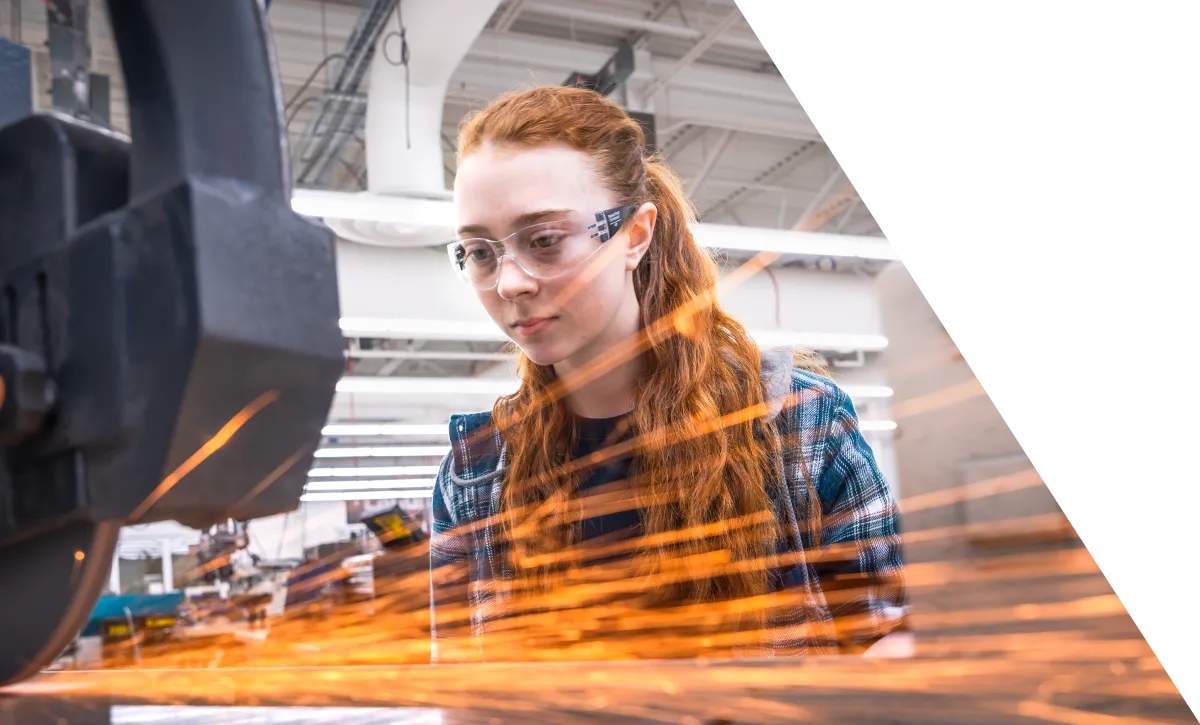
<point x="847" y="591"/>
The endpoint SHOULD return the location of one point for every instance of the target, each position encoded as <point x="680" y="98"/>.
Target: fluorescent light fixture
<point x="437" y="386"/>
<point x="468" y="330"/>
<point x="858" y="392"/>
<point x="364" y="495"/>
<point x="867" y="392"/>
<point x="786" y="241"/>
<point x="474" y="331"/>
<point x="384" y="452"/>
<point x="416" y="484"/>
<point x="373" y="471"/>
<point x="503" y="386"/>
<point x="820" y="340"/>
<point x="433" y="214"/>
<point x="406" y="211"/>
<point x="384" y="429"/>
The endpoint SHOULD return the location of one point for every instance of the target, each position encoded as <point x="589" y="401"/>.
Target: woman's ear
<point x="641" y="233"/>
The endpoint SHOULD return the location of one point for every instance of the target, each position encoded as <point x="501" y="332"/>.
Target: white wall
<point x="962" y="440"/>
<point x="420" y="283"/>
<point x="388" y="282"/>
<point x="274" y="537"/>
<point x="286" y="536"/>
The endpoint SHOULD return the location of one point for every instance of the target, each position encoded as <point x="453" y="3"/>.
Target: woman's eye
<point x="545" y="240"/>
<point x="473" y="254"/>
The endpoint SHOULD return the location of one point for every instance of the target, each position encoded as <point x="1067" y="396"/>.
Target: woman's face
<point x="553" y="317"/>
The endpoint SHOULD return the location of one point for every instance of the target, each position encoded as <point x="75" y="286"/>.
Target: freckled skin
<point x="495" y="185"/>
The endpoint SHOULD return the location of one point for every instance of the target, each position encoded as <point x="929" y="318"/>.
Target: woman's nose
<point x="512" y="281"/>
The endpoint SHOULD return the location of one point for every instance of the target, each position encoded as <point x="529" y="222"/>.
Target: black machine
<point x="615" y="72"/>
<point x="169" y="338"/>
<point x="608" y="79"/>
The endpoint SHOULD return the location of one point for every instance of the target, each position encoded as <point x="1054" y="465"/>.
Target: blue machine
<point x="149" y="611"/>
<point x="16" y="85"/>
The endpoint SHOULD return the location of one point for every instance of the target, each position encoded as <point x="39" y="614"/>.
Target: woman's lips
<point x="531" y="325"/>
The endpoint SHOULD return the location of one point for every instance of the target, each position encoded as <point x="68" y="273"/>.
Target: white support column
<point x="404" y="112"/>
<point x="168" y="566"/>
<point x="114" y="574"/>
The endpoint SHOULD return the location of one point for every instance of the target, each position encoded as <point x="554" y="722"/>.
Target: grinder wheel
<point x="51" y="583"/>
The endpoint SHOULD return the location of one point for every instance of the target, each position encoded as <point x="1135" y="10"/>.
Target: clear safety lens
<point x="543" y="250"/>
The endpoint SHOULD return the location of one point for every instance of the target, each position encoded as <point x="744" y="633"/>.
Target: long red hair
<point x="700" y="367"/>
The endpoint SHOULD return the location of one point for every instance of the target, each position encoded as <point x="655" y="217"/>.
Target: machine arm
<point x="169" y="339"/>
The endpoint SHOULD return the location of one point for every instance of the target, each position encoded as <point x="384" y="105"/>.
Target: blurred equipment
<point x="74" y="89"/>
<point x="609" y="78"/>
<point x="395" y="529"/>
<point x="217" y="555"/>
<point x="612" y="76"/>
<point x="125" y="623"/>
<point x="362" y="569"/>
<point x="169" y="339"/>
<point x="16" y="81"/>
<point x="151" y="611"/>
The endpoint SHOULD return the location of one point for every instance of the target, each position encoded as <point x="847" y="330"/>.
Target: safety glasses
<point x="543" y="251"/>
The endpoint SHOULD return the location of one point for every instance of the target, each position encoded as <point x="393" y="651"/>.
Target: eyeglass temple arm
<point x="609" y="221"/>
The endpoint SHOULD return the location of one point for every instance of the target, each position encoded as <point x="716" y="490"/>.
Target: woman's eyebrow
<point x="524" y="220"/>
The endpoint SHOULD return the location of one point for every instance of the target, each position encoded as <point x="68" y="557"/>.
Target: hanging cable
<point x="401" y="32"/>
<point x="778" y="297"/>
<point x="312" y="77"/>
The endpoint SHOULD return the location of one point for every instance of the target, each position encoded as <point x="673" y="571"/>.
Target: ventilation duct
<point x="405" y="99"/>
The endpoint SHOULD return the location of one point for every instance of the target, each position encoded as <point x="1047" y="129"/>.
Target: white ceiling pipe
<point x="391" y="293"/>
<point x="391" y="430"/>
<point x="384" y="452"/>
<point x="405" y="102"/>
<point x="363" y="495"/>
<point x="472" y="331"/>
<point x="417" y="484"/>
<point x="373" y="471"/>
<point x="434" y="355"/>
<point x="493" y="387"/>
<point x="377" y="218"/>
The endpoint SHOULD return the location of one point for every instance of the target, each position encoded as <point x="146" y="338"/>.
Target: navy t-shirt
<point x="614" y="516"/>
<point x="611" y="516"/>
<point x="605" y="520"/>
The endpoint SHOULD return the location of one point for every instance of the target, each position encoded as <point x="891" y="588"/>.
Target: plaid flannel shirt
<point x="850" y="586"/>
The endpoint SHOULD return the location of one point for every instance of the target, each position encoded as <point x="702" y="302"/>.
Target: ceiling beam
<point x="697" y="50"/>
<point x="642" y="41"/>
<point x="818" y="204"/>
<point x="677" y="141"/>
<point x="563" y="11"/>
<point x="847" y="215"/>
<point x="705" y="97"/>
<point x="710" y="162"/>
<point x="509" y="15"/>
<point x="788" y="164"/>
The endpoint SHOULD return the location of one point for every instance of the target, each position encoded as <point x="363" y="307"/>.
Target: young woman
<point x="658" y="485"/>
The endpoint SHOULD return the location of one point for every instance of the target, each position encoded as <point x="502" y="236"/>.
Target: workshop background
<point x="373" y="91"/>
